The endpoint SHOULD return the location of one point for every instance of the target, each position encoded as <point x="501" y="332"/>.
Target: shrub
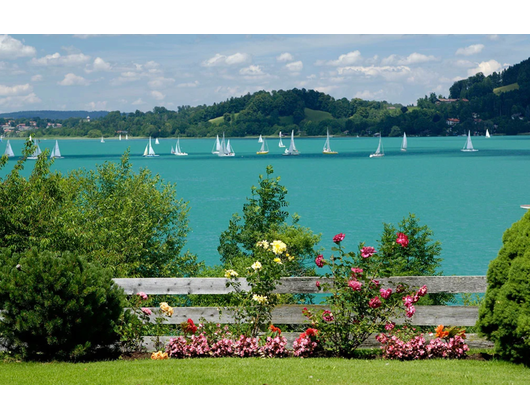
<point x="504" y="316"/>
<point x="56" y="306"/>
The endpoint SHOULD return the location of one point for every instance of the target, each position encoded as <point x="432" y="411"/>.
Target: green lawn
<point x="507" y="88"/>
<point x="316" y="116"/>
<point x="255" y="371"/>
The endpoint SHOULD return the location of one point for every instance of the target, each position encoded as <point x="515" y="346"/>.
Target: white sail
<point x="264" y="148"/>
<point x="292" y="147"/>
<point x="281" y="143"/>
<point x="380" y="151"/>
<point x="487" y="134"/>
<point x="56" y="153"/>
<point x="217" y="146"/>
<point x="37" y="152"/>
<point x="178" y="150"/>
<point x="172" y="150"/>
<point x="120" y="137"/>
<point x="156" y="141"/>
<point x="404" y="143"/>
<point x="327" y="148"/>
<point x="126" y="137"/>
<point x="9" y="150"/>
<point x="149" y="151"/>
<point x="260" y="139"/>
<point x="102" y="141"/>
<point x="468" y="146"/>
<point x="226" y="149"/>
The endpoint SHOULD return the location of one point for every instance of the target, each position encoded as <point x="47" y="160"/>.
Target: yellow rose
<point x="278" y="247"/>
<point x="260" y="299"/>
<point x="277" y="260"/>
<point x="256" y="266"/>
<point x="263" y="244"/>
<point x="229" y="274"/>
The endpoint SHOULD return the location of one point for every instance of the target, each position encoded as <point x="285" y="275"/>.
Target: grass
<point x="255" y="371"/>
<point x="507" y="88"/>
<point x="317" y="116"/>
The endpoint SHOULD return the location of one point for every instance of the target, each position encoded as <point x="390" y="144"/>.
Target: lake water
<point x="467" y="199"/>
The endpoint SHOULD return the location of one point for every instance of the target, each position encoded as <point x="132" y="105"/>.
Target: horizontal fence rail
<point x="292" y="314"/>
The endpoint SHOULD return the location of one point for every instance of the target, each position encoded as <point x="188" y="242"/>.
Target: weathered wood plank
<point x="292" y="314"/>
<point x="217" y="285"/>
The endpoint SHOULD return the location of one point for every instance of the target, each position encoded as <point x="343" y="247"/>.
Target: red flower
<point x="318" y="260"/>
<point x="275" y="329"/>
<point x="402" y="239"/>
<point x="385" y="294"/>
<point x="367" y="251"/>
<point x="317" y="284"/>
<point x="338" y="238"/>
<point x="311" y="332"/>
<point x="422" y="291"/>
<point x="375" y="302"/>
<point x="355" y="285"/>
<point x="189" y="327"/>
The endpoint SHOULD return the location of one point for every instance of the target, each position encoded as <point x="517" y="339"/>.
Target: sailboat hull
<point x="377" y="155"/>
<point x="262" y="153"/>
<point x="469" y="150"/>
<point x="326" y="152"/>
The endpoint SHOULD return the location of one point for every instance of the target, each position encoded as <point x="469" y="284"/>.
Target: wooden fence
<point x="292" y="314"/>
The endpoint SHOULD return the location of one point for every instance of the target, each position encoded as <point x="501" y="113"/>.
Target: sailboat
<point x="226" y="149"/>
<point x="9" y="150"/>
<point x="281" y="143"/>
<point x="126" y="137"/>
<point x="120" y="137"/>
<point x="102" y="141"/>
<point x="487" y="134"/>
<point x="156" y="141"/>
<point x="404" y="143"/>
<point x="291" y="151"/>
<point x="149" y="151"/>
<point x="327" y="149"/>
<point x="37" y="152"/>
<point x="468" y="146"/>
<point x="56" y="153"/>
<point x="217" y="146"/>
<point x="380" y="151"/>
<point x="179" y="152"/>
<point x="260" y="139"/>
<point x="264" y="148"/>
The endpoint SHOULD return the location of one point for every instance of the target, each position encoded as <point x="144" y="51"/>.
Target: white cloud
<point x="486" y="67"/>
<point x="285" y="57"/>
<point x="100" y="105"/>
<point x="100" y="65"/>
<point x="71" y="79"/>
<point x="36" y="78"/>
<point x="252" y="70"/>
<point x="160" y="82"/>
<point x="472" y="49"/>
<point x="343" y="60"/>
<point x="295" y="66"/>
<point x="59" y="60"/>
<point x="12" y="48"/>
<point x="368" y="95"/>
<point x="385" y="72"/>
<point x="189" y="84"/>
<point x="326" y="89"/>
<point x="413" y="58"/>
<point x="16" y="90"/>
<point x="125" y="77"/>
<point x="221" y="60"/>
<point x="157" y="95"/>
<point x="138" y="102"/>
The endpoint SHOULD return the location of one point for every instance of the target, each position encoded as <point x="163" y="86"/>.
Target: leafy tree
<point x="504" y="316"/>
<point x="265" y="218"/>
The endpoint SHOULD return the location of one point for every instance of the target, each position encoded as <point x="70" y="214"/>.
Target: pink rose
<point x="327" y="316"/>
<point x="146" y="311"/>
<point x="142" y="295"/>
<point x="375" y="302"/>
<point x="367" y="251"/>
<point x="422" y="291"/>
<point x="410" y="311"/>
<point x="355" y="285"/>
<point x="338" y="238"/>
<point x="390" y="326"/>
<point x="318" y="260"/>
<point x="407" y="301"/>
<point x="317" y="284"/>
<point x="385" y="294"/>
<point x="402" y="239"/>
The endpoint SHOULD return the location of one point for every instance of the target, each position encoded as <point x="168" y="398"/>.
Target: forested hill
<point x="54" y="115"/>
<point x="499" y="102"/>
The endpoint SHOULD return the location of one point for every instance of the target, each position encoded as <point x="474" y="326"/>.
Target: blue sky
<point x="127" y="72"/>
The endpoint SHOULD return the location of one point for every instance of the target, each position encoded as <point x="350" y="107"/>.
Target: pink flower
<point x="355" y="285"/>
<point x="146" y="311"/>
<point x="385" y="294"/>
<point x="318" y="260"/>
<point x="338" y="238"/>
<point x="410" y="311"/>
<point x="376" y="282"/>
<point x="317" y="284"/>
<point x="390" y="326"/>
<point x="327" y="316"/>
<point x="422" y="291"/>
<point x="367" y="251"/>
<point x="402" y="239"/>
<point x="407" y="301"/>
<point x="357" y="270"/>
<point x="375" y="302"/>
<point x="142" y="295"/>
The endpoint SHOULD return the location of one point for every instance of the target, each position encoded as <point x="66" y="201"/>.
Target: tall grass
<point x="255" y="371"/>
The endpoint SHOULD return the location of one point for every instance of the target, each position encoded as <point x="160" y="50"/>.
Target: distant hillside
<point x="55" y="115"/>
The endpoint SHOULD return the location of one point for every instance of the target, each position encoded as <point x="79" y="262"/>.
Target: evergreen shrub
<point x="56" y="306"/>
<point x="504" y="316"/>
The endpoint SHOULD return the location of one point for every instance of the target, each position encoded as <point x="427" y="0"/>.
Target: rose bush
<point x="358" y="305"/>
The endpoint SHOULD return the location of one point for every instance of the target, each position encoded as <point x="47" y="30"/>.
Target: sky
<point x="202" y="65"/>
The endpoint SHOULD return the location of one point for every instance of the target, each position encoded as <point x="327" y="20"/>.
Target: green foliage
<point x="264" y="218"/>
<point x="504" y="316"/>
<point x="56" y="306"/>
<point x="131" y="223"/>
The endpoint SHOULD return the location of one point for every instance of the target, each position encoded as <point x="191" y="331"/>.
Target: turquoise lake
<point x="467" y="199"/>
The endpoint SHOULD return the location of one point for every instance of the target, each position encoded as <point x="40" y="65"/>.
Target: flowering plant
<point x="358" y="304"/>
<point x="406" y="345"/>
<point x="254" y="308"/>
<point x="136" y="323"/>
